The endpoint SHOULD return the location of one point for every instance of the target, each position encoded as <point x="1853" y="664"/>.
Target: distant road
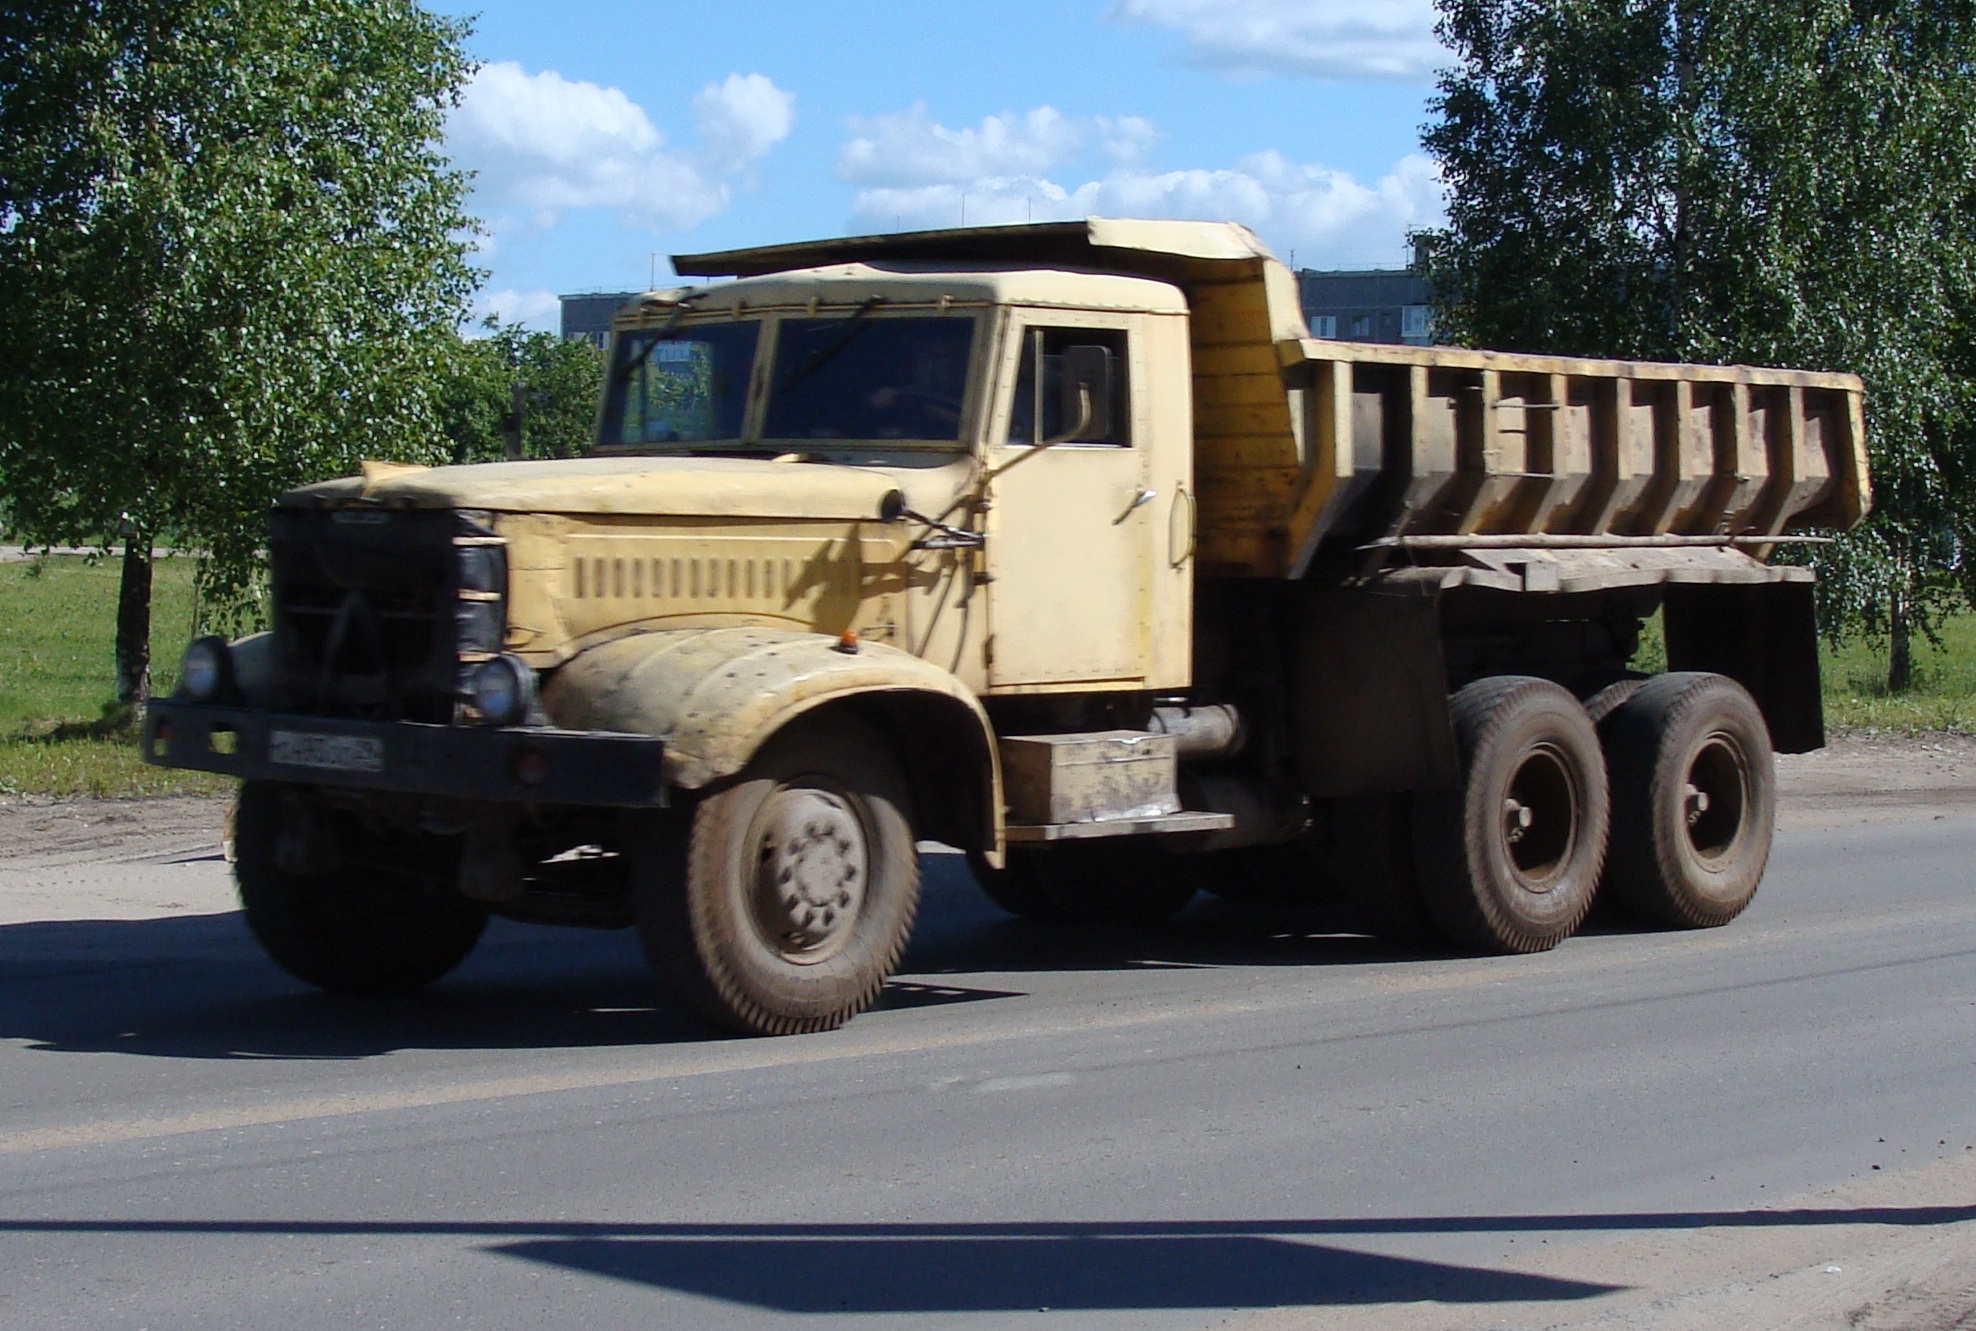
<point x="21" y="554"/>
<point x="1238" y="1121"/>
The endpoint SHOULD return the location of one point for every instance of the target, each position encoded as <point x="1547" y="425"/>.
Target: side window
<point x="1041" y="412"/>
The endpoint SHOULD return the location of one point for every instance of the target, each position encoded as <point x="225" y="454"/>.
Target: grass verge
<point x="1942" y="696"/>
<point x="61" y="733"/>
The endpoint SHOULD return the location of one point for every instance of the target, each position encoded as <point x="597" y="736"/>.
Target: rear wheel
<point x="1694" y="799"/>
<point x="348" y="908"/>
<point x="789" y="902"/>
<point x="1510" y="858"/>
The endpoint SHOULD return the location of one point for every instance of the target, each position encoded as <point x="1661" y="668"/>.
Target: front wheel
<point x="789" y="904"/>
<point x="1694" y="799"/>
<point x="365" y="913"/>
<point x="1510" y="858"/>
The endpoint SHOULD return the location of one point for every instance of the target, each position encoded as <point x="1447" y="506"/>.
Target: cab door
<point x="1088" y="574"/>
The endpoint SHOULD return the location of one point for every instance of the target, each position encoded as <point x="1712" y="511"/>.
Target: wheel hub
<point x="1714" y="797"/>
<point x="812" y="865"/>
<point x="1540" y="818"/>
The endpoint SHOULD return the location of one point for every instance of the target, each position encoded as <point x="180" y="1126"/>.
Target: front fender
<point x="715" y="695"/>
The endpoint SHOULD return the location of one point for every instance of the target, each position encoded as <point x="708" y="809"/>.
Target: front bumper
<point x="535" y="764"/>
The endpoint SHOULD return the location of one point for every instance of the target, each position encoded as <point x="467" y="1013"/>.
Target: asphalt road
<point x="1239" y="1120"/>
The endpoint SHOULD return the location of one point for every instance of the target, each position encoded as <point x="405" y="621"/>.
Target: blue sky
<point x="603" y="135"/>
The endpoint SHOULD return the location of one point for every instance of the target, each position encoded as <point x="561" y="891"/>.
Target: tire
<point x="389" y="926"/>
<point x="789" y="904"/>
<point x="1610" y="698"/>
<point x="1372" y="842"/>
<point x="1694" y="800"/>
<point x="1510" y="858"/>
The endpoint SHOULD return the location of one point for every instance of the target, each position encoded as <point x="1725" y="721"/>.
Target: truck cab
<point x="959" y="393"/>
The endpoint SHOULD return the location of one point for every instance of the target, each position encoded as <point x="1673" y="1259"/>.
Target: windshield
<point x="869" y="378"/>
<point x="859" y="377"/>
<point x="679" y="385"/>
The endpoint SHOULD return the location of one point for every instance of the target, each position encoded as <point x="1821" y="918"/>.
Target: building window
<point x="1324" y="325"/>
<point x="1416" y="323"/>
<point x="1361" y="326"/>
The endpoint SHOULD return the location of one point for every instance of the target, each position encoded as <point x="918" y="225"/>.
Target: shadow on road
<point x="995" y="1274"/>
<point x="198" y="986"/>
<point x="923" y="1268"/>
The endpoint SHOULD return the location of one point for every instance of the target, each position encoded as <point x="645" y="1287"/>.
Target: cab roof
<point x="910" y="284"/>
<point x="1177" y="252"/>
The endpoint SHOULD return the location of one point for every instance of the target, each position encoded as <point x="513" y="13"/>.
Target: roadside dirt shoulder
<point x="1889" y="1252"/>
<point x="112" y="860"/>
<point x="1863" y="778"/>
<point x="69" y="831"/>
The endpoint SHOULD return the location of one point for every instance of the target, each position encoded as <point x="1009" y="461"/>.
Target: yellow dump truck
<point x="1064" y="545"/>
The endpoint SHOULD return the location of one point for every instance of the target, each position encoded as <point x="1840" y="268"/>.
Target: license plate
<point x="337" y="753"/>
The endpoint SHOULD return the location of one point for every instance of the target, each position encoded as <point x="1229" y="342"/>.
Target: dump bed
<point x="1421" y="441"/>
<point x="1307" y="446"/>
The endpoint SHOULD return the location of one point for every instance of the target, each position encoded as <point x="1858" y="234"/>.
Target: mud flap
<point x="1765" y="637"/>
<point x="1370" y="693"/>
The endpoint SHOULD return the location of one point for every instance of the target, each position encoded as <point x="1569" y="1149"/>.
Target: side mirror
<point x="1084" y="403"/>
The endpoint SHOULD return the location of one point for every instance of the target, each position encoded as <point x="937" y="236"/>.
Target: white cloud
<point x="743" y="116"/>
<point x="531" y="309"/>
<point x="1340" y="39"/>
<point x="1127" y="138"/>
<point x="911" y="149"/>
<point x="541" y="144"/>
<point x="1326" y="216"/>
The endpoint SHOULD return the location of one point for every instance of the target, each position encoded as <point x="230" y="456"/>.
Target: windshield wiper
<point x="823" y="355"/>
<point x="633" y="365"/>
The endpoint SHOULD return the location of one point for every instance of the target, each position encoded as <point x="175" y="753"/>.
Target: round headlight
<point x="502" y="691"/>
<point x="207" y="671"/>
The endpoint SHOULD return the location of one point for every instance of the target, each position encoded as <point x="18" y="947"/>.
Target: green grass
<point x="1942" y="696"/>
<point x="60" y="733"/>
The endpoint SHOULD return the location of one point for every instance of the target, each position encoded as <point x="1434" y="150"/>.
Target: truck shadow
<point x="962" y="932"/>
<point x="197" y="987"/>
<point x="1016" y="1273"/>
<point x="950" y="1268"/>
<point x="1132" y="1265"/>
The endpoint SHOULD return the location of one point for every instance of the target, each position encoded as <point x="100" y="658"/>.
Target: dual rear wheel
<point x="1695" y="800"/>
<point x="1666" y="803"/>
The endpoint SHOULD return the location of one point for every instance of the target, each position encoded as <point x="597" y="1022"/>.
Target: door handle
<point x="1181" y="530"/>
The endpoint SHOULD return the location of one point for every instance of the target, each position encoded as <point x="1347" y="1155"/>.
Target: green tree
<point x="232" y="258"/>
<point x="556" y="381"/>
<point x="1776" y="182"/>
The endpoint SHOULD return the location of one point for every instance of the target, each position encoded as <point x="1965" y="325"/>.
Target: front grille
<point x="379" y="614"/>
